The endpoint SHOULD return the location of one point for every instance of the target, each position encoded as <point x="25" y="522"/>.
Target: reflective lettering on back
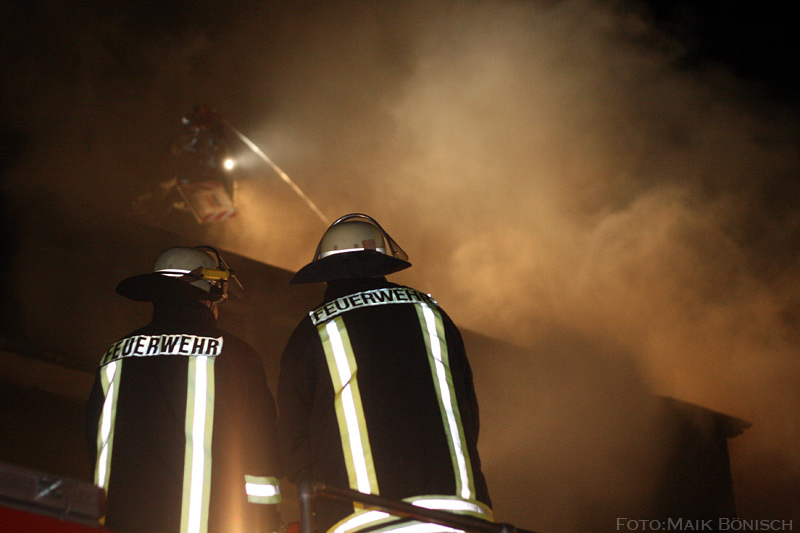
<point x="388" y="295"/>
<point x="155" y="345"/>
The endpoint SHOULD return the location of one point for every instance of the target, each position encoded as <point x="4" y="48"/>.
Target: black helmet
<point x="355" y="246"/>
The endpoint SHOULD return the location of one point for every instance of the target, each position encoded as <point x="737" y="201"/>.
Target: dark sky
<point x="756" y="42"/>
<point x="621" y="171"/>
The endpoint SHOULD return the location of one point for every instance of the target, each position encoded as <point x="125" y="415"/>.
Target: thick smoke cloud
<point x="553" y="173"/>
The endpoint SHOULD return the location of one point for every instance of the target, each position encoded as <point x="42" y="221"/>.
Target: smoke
<point x="548" y="166"/>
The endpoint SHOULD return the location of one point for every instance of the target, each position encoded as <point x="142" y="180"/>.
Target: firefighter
<point x="180" y="422"/>
<point x="375" y="392"/>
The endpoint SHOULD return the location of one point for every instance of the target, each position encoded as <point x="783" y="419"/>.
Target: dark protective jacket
<point x="375" y="394"/>
<point x="181" y="428"/>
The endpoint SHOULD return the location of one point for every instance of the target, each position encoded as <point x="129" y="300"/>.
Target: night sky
<point x="623" y="172"/>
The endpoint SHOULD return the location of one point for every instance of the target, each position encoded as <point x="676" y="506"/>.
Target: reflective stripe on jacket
<point x="376" y="395"/>
<point x="182" y="429"/>
<point x="376" y="521"/>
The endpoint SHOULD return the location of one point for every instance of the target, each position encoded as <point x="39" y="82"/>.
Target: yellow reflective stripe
<point x="262" y="489"/>
<point x="418" y="527"/>
<point x="109" y="379"/>
<point x="199" y="429"/>
<point x="433" y="331"/>
<point x="381" y="521"/>
<point x="454" y="504"/>
<point x="361" y="519"/>
<point x="349" y="410"/>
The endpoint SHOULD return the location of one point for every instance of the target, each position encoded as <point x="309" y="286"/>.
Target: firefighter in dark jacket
<point x="375" y="391"/>
<point x="181" y="422"/>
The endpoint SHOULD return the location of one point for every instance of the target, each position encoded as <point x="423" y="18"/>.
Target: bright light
<point x="229" y="164"/>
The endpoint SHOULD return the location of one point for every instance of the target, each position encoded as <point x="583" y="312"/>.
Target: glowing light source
<point x="229" y="164"/>
<point x="280" y="172"/>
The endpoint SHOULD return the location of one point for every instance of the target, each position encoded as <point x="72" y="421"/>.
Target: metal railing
<point x="308" y="491"/>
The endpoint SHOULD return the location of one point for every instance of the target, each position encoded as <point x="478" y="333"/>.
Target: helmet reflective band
<point x="172" y="272"/>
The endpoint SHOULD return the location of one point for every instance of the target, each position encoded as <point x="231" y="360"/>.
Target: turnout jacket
<point x="375" y="394"/>
<point x="181" y="428"/>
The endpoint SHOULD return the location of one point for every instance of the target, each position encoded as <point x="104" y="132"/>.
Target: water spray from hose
<point x="278" y="171"/>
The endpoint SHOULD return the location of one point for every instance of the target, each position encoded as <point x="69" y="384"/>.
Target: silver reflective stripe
<point x="199" y="429"/>
<point x="350" y="415"/>
<point x="332" y="252"/>
<point x="381" y="521"/>
<point x="172" y="272"/>
<point x="442" y="378"/>
<point x="421" y="527"/>
<point x="109" y="379"/>
<point x="358" y="520"/>
<point x="454" y="504"/>
<point x="261" y="489"/>
<point x="349" y="410"/>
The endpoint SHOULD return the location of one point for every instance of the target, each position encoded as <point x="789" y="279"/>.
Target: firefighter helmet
<point x="355" y="246"/>
<point x="181" y="272"/>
